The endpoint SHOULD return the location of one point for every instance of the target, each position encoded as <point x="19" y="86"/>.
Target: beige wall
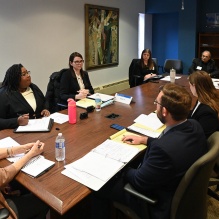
<point x="42" y="34"/>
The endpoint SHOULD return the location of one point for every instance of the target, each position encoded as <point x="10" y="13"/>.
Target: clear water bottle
<point x="98" y="102"/>
<point x="172" y="75"/>
<point x="60" y="147"/>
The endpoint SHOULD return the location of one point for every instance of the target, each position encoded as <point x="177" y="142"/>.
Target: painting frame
<point x="101" y="36"/>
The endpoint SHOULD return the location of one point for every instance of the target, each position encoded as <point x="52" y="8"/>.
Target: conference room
<point x="48" y="32"/>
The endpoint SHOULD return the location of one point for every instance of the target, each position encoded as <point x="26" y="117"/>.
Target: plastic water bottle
<point x="172" y="75"/>
<point x="60" y="147"/>
<point x="71" y="111"/>
<point x="98" y="102"/>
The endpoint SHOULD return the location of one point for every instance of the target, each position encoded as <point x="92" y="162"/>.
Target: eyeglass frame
<point x="155" y="103"/>
<point x="79" y="62"/>
<point x="23" y="74"/>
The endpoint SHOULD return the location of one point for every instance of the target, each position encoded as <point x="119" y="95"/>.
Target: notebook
<point x="36" y="125"/>
<point x="37" y="166"/>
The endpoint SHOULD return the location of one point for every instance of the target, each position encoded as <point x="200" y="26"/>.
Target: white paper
<point x="103" y="97"/>
<point x="150" y="121"/>
<point x="216" y="82"/>
<point x="8" y="142"/>
<point x="144" y="131"/>
<point x="167" y="78"/>
<point x="59" y="118"/>
<point x="102" y="163"/>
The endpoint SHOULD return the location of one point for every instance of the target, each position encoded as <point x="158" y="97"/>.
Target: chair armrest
<point x="213" y="181"/>
<point x="137" y="194"/>
<point x="4" y="213"/>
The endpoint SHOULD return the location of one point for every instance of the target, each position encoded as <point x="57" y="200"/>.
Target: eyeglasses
<point x="155" y="102"/>
<point x="79" y="62"/>
<point x="23" y="74"/>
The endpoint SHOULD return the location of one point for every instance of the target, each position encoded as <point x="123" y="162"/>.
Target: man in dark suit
<point x="205" y="63"/>
<point x="166" y="160"/>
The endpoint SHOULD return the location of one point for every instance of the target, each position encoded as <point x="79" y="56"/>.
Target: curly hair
<point x="12" y="77"/>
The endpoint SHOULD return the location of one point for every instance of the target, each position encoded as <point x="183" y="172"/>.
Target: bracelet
<point x="12" y="153"/>
<point x="8" y="153"/>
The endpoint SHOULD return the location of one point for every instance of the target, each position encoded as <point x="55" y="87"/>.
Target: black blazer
<point x="13" y="104"/>
<point x="207" y="117"/>
<point x="166" y="161"/>
<point x="69" y="85"/>
<point x="210" y="67"/>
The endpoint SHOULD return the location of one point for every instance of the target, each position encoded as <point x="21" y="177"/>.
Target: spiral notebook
<point x="37" y="166"/>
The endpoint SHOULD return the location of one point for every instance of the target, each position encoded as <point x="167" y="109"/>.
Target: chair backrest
<point x="131" y="72"/>
<point x="52" y="93"/>
<point x="173" y="63"/>
<point x="190" y="198"/>
<point x="155" y="61"/>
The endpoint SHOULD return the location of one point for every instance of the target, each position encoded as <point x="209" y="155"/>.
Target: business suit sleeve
<point x="68" y="87"/>
<point x="193" y="66"/>
<point x="6" y="123"/>
<point x="155" y="171"/>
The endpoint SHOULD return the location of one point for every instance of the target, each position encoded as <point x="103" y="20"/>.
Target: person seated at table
<point x="205" y="63"/>
<point x="75" y="82"/>
<point x="166" y="160"/>
<point x="21" y="100"/>
<point x="145" y="68"/>
<point x="24" y="206"/>
<point x="206" y="109"/>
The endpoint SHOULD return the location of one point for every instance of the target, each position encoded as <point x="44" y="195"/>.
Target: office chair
<point x="134" y="78"/>
<point x="4" y="213"/>
<point x="173" y="63"/>
<point x="189" y="200"/>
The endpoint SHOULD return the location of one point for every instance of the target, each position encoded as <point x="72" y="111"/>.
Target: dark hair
<point x="150" y="60"/>
<point x="71" y="59"/>
<point x="206" y="92"/>
<point x="12" y="77"/>
<point x="176" y="100"/>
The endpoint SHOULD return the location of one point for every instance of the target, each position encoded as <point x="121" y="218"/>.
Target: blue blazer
<point x="13" y="104"/>
<point x="165" y="162"/>
<point x="69" y="85"/>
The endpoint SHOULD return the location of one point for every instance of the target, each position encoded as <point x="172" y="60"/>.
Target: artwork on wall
<point x="101" y="36"/>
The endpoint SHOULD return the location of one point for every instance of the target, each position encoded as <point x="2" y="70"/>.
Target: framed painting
<point x="101" y="36"/>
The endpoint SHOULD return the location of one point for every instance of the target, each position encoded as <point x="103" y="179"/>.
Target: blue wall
<point x="174" y="31"/>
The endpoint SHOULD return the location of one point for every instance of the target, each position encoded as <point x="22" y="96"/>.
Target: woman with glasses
<point x="75" y="82"/>
<point x="206" y="109"/>
<point x="21" y="100"/>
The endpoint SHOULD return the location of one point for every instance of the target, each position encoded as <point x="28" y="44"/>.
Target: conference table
<point x="55" y="189"/>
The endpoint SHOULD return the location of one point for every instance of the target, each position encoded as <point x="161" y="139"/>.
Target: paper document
<point x="8" y="142"/>
<point x="37" y="166"/>
<point x="104" y="97"/>
<point x="59" y="117"/>
<point x="167" y="78"/>
<point x="84" y="103"/>
<point x="101" y="164"/>
<point x="216" y="82"/>
<point x="150" y="121"/>
<point x="36" y="125"/>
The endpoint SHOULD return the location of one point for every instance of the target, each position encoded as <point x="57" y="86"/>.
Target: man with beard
<point x="166" y="160"/>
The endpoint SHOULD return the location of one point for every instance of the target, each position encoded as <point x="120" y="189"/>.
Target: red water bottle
<point x="71" y="111"/>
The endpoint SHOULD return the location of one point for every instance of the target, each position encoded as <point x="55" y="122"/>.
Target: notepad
<point x="37" y="166"/>
<point x="36" y="125"/>
<point x="84" y="103"/>
<point x="103" y="97"/>
<point x="102" y="163"/>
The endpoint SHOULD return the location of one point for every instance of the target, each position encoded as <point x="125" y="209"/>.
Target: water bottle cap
<point x="70" y="99"/>
<point x="60" y="134"/>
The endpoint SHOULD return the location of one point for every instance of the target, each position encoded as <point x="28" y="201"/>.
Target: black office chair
<point x="4" y="213"/>
<point x="189" y="200"/>
<point x="173" y="63"/>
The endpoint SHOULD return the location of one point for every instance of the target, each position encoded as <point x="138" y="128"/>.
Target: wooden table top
<point x="58" y="191"/>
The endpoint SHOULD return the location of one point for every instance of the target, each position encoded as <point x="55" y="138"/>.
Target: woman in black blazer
<point x="75" y="82"/>
<point x="206" y="109"/>
<point x="21" y="100"/>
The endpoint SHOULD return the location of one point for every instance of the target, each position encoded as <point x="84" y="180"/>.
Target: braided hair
<point x="12" y="78"/>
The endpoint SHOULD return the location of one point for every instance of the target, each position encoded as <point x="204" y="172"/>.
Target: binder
<point x="36" y="125"/>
